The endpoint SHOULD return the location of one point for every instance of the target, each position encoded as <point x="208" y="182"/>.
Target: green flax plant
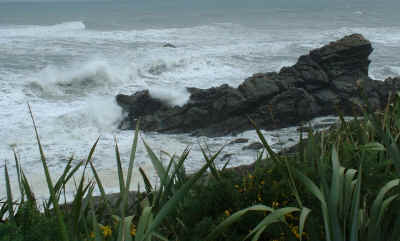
<point x="275" y="215"/>
<point x="344" y="218"/>
<point x="157" y="205"/>
<point x="386" y="127"/>
<point x="27" y="204"/>
<point x="80" y="219"/>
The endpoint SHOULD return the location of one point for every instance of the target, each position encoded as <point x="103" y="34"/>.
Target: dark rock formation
<point x="329" y="79"/>
<point x="169" y="45"/>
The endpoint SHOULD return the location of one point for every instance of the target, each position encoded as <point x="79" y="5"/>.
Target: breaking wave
<point x="77" y="80"/>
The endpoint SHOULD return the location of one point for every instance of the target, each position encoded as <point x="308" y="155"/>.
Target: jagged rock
<point x="328" y="79"/>
<point x="139" y="104"/>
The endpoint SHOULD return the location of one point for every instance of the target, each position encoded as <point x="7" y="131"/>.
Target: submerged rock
<point x="327" y="80"/>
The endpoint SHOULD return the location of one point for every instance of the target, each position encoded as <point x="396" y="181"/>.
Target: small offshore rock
<point x="253" y="146"/>
<point x="239" y="140"/>
<point x="168" y="45"/>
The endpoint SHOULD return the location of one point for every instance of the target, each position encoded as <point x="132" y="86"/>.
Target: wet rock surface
<point x="329" y="79"/>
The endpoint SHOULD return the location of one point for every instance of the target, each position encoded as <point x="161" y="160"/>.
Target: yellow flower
<point x="107" y="232"/>
<point x="275" y="204"/>
<point x="92" y="234"/>
<point x="251" y="176"/>
<point x="237" y="186"/>
<point x="133" y="230"/>
<point x="227" y="213"/>
<point x="295" y="231"/>
<point x="259" y="197"/>
<point x="262" y="182"/>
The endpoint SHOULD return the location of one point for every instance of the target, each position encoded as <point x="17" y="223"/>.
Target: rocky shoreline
<point x="327" y="80"/>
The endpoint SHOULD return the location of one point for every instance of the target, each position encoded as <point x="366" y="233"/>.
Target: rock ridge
<point x="331" y="78"/>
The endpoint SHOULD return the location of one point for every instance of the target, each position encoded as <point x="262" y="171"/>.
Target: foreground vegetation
<point x="340" y="184"/>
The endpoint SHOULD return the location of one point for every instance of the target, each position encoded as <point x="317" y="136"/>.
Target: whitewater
<point x="71" y="71"/>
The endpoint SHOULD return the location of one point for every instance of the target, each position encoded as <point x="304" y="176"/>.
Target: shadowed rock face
<point x="328" y="79"/>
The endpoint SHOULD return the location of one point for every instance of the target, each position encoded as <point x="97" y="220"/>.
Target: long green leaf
<point x="125" y="193"/>
<point x="158" y="166"/>
<point x="174" y="175"/>
<point x="64" y="234"/>
<point x="293" y="183"/>
<point x="28" y="191"/>
<point x="95" y="223"/>
<point x="356" y="208"/>
<point x="319" y="195"/>
<point x="379" y="206"/>
<point x="143" y="225"/>
<point x="173" y="202"/>
<point x="132" y="156"/>
<point x="275" y="216"/>
<point x="303" y="217"/>
<point x="119" y="169"/>
<point x="9" y="194"/>
<point x="272" y="154"/>
<point x="147" y="183"/>
<point x="335" y="191"/>
<point x="235" y="217"/>
<point x="376" y="205"/>
<point x="210" y="160"/>
<point x="19" y="170"/>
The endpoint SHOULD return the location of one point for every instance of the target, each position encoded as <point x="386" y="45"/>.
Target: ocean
<point x="69" y="60"/>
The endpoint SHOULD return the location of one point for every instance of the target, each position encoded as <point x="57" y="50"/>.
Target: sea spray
<point x="171" y="96"/>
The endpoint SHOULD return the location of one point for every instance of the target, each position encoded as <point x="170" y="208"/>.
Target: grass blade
<point x="271" y="153"/>
<point x="303" y="216"/>
<point x="173" y="202"/>
<point x="234" y="218"/>
<point x="147" y="183"/>
<point x="9" y="195"/>
<point x="64" y="234"/>
<point x="273" y="217"/>
<point x="119" y="168"/>
<point x="18" y="167"/>
<point x="158" y="166"/>
<point x="210" y="161"/>
<point x="355" y="209"/>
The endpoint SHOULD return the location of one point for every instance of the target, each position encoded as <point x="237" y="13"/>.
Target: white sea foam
<point x="76" y="80"/>
<point x="171" y="95"/>
<point x="37" y="30"/>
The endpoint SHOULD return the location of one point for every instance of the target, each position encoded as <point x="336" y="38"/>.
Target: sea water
<point x="69" y="60"/>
